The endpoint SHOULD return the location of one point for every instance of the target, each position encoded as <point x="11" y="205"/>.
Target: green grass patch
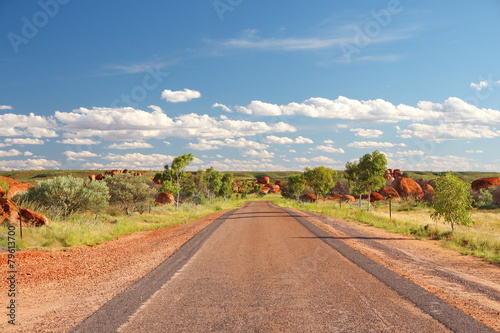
<point x="481" y="240"/>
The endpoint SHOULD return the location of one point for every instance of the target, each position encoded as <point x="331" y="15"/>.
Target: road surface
<point x="260" y="269"/>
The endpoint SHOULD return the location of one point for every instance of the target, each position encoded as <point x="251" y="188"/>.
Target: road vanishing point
<point x="262" y="268"/>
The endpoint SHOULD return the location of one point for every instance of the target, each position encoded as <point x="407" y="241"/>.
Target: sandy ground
<point x="59" y="289"/>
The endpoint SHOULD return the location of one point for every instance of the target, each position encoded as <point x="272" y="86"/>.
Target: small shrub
<point x="66" y="194"/>
<point x="129" y="191"/>
<point x="483" y="197"/>
<point x="488" y="206"/>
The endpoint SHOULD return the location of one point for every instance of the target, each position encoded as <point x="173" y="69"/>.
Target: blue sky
<point x="249" y="85"/>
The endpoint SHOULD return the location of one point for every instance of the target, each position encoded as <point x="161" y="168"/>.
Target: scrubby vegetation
<point x="413" y="218"/>
<point x="87" y="211"/>
<point x="89" y="229"/>
<point x="66" y="195"/>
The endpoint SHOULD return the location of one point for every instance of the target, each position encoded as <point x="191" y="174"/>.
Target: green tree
<point x="67" y="194"/>
<point x="129" y="191"/>
<point x="368" y="174"/>
<point x="321" y="179"/>
<point x="173" y="176"/>
<point x="452" y="201"/>
<point x="353" y="178"/>
<point x="294" y="187"/>
<point x="214" y="182"/>
<point x="245" y="188"/>
<point x="226" y="188"/>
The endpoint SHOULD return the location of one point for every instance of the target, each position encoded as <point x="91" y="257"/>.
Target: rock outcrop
<point x="335" y="197"/>
<point x="8" y="211"/>
<point x="348" y="198"/>
<point x="428" y="192"/>
<point x="407" y="187"/>
<point x="264" y="180"/>
<point x="389" y="192"/>
<point x="32" y="218"/>
<point x="308" y="197"/>
<point x="11" y="215"/>
<point x="15" y="187"/>
<point x="164" y="198"/>
<point x="485" y="183"/>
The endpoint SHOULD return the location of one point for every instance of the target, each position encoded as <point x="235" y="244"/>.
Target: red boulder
<point x="407" y="187"/>
<point x="428" y="192"/>
<point x="32" y="218"/>
<point x="164" y="198"/>
<point x="15" y="187"/>
<point x="263" y="180"/>
<point x="8" y="211"/>
<point x="374" y="196"/>
<point x="389" y="192"/>
<point x="348" y="198"/>
<point x="309" y="197"/>
<point x="485" y="183"/>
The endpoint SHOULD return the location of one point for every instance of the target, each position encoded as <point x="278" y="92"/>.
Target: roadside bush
<point x="488" y="206"/>
<point x="483" y="197"/>
<point x="129" y="191"/>
<point x="66" y="194"/>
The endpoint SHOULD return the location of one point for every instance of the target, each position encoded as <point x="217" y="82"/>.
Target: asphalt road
<point x="260" y="269"/>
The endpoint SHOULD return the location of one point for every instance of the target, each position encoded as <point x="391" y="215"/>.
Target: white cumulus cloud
<point x="271" y="139"/>
<point x="447" y="132"/>
<point x="29" y="164"/>
<point x="222" y="106"/>
<point x="180" y="96"/>
<point x="241" y="143"/>
<point x="452" y="110"/>
<point x="367" y="133"/>
<point x="8" y="153"/>
<point x="259" y="154"/>
<point x="405" y="153"/>
<point x="374" y="144"/>
<point x="129" y="145"/>
<point x="78" y="156"/>
<point x="23" y="141"/>
<point x="328" y="149"/>
<point x="127" y="124"/>
<point x="5" y="107"/>
<point x="78" y="141"/>
<point x="27" y="125"/>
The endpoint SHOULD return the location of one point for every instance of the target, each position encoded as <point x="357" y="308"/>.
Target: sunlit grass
<point x="482" y="239"/>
